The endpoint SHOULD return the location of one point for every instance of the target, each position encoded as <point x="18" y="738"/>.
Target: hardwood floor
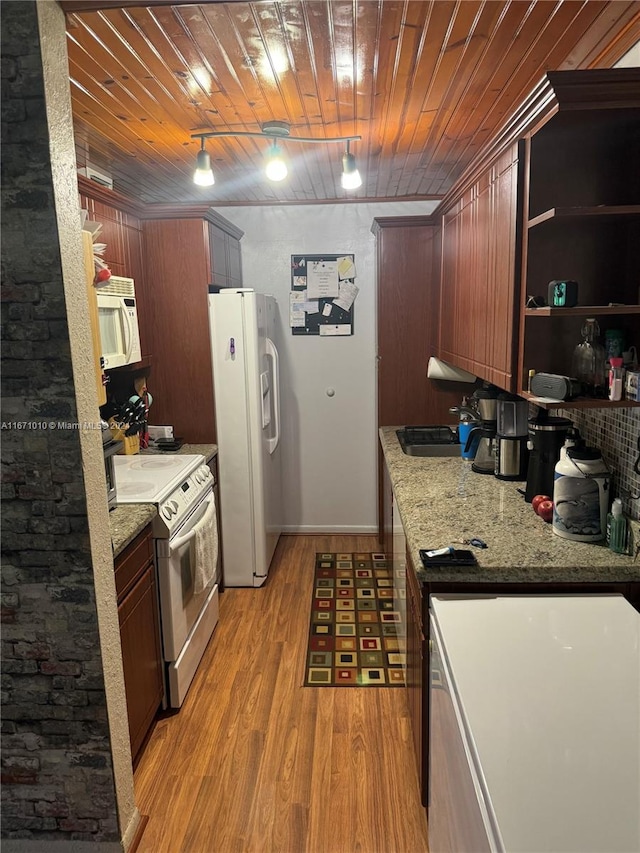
<point x="256" y="762"/>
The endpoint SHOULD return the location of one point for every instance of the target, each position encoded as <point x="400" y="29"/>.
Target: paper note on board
<point x="347" y="295"/>
<point x="346" y="267"/>
<point x="296" y="311"/>
<point x="310" y="306"/>
<point x="322" y="279"/>
<point x="340" y="329"/>
<point x="327" y="309"/>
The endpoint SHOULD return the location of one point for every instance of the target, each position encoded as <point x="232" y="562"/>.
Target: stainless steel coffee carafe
<point x="512" y="455"/>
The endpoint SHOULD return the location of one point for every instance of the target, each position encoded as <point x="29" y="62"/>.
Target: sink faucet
<point x="472" y="414"/>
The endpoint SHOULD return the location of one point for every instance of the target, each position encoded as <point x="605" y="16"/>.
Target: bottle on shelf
<point x="616" y="378"/>
<point x="617" y="528"/>
<point x="589" y="360"/>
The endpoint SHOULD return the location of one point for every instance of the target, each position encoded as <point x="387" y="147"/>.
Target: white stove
<point x="184" y="490"/>
<point x="174" y="483"/>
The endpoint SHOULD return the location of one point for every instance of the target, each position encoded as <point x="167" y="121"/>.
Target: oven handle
<point x="208" y="515"/>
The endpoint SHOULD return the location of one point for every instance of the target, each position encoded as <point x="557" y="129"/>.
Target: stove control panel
<point x="180" y="502"/>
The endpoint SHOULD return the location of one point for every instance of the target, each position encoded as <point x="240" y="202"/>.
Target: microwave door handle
<point x="208" y="515"/>
<point x="128" y="334"/>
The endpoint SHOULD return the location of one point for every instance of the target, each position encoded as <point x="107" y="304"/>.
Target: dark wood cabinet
<point x="415" y="673"/>
<point x="407" y="276"/>
<point x="183" y="256"/>
<point x="582" y="217"/>
<point x="226" y="258"/>
<point x="139" y="636"/>
<point x="407" y="281"/>
<point x="480" y="250"/>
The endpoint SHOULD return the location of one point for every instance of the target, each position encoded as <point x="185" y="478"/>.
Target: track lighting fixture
<point x="350" y="179"/>
<point x="276" y="167"/>
<point x="203" y="176"/>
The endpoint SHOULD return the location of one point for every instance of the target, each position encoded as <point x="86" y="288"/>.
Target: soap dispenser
<point x="617" y="528"/>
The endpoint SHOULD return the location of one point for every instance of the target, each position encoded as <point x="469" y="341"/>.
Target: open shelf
<point x="578" y="403"/>
<point x="582" y="311"/>
<point x="600" y="211"/>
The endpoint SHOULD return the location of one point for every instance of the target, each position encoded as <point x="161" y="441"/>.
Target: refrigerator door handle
<point x="272" y="352"/>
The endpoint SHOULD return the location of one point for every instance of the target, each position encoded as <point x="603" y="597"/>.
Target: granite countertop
<point x="127" y="520"/>
<point x="440" y="500"/>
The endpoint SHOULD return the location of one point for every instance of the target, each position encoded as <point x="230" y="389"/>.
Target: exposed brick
<point x="18" y="777"/>
<point x="23" y="741"/>
<point x="55" y="809"/>
<point x="76" y="825"/>
<point x="54" y="667"/>
<point x="34" y="651"/>
<point x="47" y="566"/>
<point x="19" y="667"/>
<point x="75" y="699"/>
<point x="19" y="762"/>
<point x="49" y="525"/>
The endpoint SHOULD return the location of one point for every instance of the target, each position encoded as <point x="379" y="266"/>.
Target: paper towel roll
<point x="438" y="369"/>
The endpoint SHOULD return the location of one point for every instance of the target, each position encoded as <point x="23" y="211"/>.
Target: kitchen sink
<point x="429" y="441"/>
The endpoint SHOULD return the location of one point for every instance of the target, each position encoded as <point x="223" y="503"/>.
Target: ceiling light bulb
<point x="276" y="168"/>
<point x="203" y="176"/>
<point x="350" y="179"/>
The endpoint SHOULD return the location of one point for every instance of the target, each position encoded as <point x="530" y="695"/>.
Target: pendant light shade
<point x="203" y="175"/>
<point x="276" y="168"/>
<point x="350" y="179"/>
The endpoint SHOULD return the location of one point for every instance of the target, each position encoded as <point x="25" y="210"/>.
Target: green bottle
<point x="617" y="528"/>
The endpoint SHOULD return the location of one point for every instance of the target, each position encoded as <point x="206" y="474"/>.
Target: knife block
<point x="130" y="443"/>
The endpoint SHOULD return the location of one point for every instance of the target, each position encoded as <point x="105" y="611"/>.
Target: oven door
<point x="180" y="607"/>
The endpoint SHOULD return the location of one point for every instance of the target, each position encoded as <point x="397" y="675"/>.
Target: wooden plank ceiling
<point x="425" y="84"/>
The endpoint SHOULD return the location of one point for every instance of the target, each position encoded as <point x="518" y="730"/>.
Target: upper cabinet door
<point x="480" y="254"/>
<point x="226" y="258"/>
<point x="219" y="256"/>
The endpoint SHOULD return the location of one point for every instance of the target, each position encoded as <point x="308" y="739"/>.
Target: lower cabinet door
<point x="141" y="657"/>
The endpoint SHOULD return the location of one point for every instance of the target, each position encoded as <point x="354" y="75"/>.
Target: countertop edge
<point x="126" y="521"/>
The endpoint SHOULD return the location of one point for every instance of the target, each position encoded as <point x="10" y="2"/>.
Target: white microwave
<point x="118" y="321"/>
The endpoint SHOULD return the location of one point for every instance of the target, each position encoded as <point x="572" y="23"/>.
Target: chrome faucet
<point x="472" y="414"/>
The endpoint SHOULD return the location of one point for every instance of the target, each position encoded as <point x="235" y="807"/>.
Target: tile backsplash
<point x="616" y="432"/>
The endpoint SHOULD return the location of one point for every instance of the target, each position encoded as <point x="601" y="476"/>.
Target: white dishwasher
<point x="534" y="724"/>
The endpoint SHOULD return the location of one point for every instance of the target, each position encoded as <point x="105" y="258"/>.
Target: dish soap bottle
<point x="617" y="528"/>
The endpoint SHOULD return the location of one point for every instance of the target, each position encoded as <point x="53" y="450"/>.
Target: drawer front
<point x="133" y="560"/>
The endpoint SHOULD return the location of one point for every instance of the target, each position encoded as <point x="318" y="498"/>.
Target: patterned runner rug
<point x="355" y="634"/>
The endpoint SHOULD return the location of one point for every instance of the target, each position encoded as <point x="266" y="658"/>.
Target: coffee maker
<point x="547" y="435"/>
<point x="512" y="455"/>
<point x="484" y="400"/>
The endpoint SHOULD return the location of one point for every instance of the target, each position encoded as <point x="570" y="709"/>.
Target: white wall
<point x="631" y="59"/>
<point x="329" y="443"/>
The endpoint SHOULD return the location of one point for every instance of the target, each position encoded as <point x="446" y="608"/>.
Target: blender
<point x="512" y="455"/>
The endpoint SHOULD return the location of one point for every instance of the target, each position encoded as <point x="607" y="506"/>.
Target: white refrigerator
<point x="243" y="327"/>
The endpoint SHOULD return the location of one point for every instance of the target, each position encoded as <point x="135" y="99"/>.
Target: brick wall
<point x="57" y="778"/>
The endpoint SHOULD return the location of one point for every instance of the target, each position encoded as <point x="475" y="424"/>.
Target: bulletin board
<point x="322" y="294"/>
